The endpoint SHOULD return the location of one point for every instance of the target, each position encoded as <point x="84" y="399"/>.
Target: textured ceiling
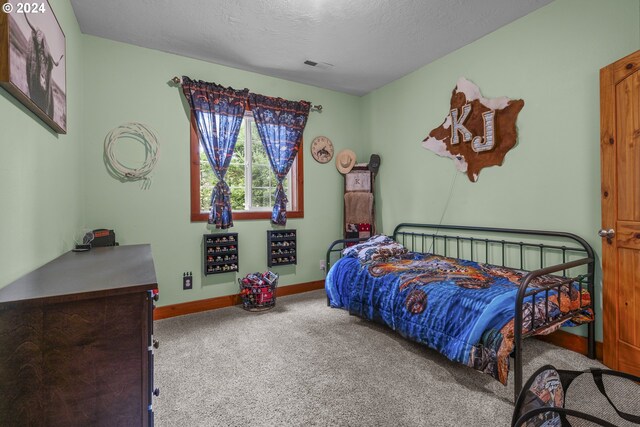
<point x="368" y="42"/>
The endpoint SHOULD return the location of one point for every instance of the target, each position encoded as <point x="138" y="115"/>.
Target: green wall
<point x="40" y="188"/>
<point x="551" y="179"/>
<point x="52" y="185"/>
<point x="127" y="83"/>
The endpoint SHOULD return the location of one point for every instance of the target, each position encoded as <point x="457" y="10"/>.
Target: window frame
<point x="297" y="181"/>
<point x="249" y="123"/>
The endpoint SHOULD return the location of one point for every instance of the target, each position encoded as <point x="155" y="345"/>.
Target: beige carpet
<point x="304" y="363"/>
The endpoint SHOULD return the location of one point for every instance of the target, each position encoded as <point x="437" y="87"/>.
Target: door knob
<point x="608" y="234"/>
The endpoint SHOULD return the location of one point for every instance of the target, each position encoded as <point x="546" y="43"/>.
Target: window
<point x="249" y="176"/>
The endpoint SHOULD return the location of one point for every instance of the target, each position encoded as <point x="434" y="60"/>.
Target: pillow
<point x="377" y="248"/>
<point x="353" y="251"/>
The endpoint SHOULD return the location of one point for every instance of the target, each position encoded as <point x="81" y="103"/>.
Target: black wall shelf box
<point x="282" y="247"/>
<point x="220" y="253"/>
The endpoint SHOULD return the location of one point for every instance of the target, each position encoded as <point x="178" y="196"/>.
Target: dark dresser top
<point x="80" y="275"/>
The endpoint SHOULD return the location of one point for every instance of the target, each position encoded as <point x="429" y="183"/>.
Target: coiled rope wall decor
<point x="147" y="138"/>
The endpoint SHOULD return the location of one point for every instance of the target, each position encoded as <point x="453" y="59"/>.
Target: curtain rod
<point x="177" y="80"/>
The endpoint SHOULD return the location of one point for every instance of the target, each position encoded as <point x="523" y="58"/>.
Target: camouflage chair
<point x="595" y="397"/>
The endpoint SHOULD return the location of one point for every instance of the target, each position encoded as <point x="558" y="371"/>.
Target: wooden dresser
<point x="76" y="341"/>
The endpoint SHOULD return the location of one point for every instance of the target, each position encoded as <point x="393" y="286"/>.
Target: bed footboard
<point x="540" y="294"/>
<point x="541" y="252"/>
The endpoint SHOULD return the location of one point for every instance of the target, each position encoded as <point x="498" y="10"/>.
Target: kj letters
<point x="458" y="127"/>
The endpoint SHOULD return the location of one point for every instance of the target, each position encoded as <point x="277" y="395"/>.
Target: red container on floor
<point x="258" y="291"/>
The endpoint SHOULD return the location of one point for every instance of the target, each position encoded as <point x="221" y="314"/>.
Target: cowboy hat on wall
<point x="345" y="161"/>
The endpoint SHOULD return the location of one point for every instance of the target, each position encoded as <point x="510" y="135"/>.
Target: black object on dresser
<point x="220" y="253"/>
<point x="76" y="341"/>
<point x="281" y="247"/>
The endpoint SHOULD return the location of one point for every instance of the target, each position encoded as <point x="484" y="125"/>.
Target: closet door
<point x="620" y="159"/>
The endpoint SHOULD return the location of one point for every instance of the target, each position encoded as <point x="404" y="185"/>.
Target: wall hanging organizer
<point x="359" y="213"/>
<point x="282" y="247"/>
<point x="220" y="253"/>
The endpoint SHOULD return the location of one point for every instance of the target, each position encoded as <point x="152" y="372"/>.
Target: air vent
<point x="319" y="65"/>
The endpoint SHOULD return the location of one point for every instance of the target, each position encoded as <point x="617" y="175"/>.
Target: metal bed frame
<point x="479" y="245"/>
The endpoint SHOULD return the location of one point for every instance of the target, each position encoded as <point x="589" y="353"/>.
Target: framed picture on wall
<point x="33" y="60"/>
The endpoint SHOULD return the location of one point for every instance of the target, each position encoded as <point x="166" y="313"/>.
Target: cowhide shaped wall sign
<point x="477" y="132"/>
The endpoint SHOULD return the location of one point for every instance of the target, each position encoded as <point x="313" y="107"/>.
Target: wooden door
<point x="620" y="160"/>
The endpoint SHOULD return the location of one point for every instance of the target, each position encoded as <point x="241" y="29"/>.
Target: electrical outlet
<point x="323" y="265"/>
<point x="187" y="281"/>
